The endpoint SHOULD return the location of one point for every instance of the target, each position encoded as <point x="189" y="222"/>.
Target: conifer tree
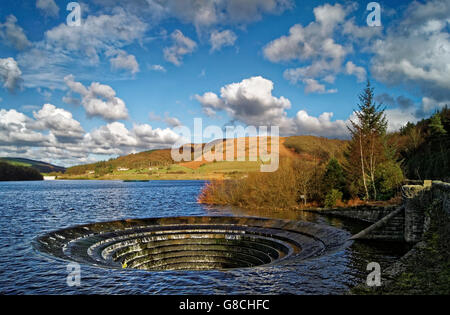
<point x="367" y="148"/>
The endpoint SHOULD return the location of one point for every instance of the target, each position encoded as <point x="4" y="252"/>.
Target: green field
<point x="216" y="170"/>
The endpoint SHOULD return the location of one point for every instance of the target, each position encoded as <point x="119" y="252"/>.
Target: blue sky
<point x="134" y="70"/>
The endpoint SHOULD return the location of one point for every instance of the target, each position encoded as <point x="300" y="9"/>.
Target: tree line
<point x="9" y="172"/>
<point x="373" y="168"/>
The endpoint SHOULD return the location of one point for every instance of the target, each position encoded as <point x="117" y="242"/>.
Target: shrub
<point x="389" y="177"/>
<point x="278" y="189"/>
<point x="332" y="198"/>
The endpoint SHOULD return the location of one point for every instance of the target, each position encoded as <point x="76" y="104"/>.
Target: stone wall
<point x="364" y="213"/>
<point x="406" y="222"/>
<point x="416" y="200"/>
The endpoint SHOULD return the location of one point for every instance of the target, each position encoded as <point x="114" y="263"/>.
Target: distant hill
<point x="132" y="161"/>
<point x="42" y="167"/>
<point x="10" y="172"/>
<point x="158" y="164"/>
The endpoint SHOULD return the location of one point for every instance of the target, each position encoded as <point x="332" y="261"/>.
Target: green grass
<point x="227" y="167"/>
<point x="15" y="163"/>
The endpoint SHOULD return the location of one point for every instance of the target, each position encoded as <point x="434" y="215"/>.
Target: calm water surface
<point x="29" y="209"/>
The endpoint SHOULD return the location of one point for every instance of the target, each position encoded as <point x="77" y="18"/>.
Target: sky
<point x="125" y="76"/>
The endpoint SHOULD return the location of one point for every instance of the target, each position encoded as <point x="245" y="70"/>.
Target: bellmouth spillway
<point x="191" y="243"/>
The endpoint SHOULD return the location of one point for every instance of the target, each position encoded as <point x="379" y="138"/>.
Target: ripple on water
<point x="30" y="209"/>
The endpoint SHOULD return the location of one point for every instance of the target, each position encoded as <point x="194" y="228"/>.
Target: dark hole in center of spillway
<point x="190" y="243"/>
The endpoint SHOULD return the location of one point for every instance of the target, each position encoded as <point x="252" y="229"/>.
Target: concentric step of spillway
<point x="191" y="243"/>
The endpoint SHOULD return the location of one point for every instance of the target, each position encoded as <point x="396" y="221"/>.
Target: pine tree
<point x="367" y="148"/>
<point x="334" y="176"/>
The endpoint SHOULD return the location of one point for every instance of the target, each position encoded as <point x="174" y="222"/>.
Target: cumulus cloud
<point x="321" y="126"/>
<point x="54" y="135"/>
<point x="251" y="102"/>
<point x="10" y="74"/>
<point x="222" y="39"/>
<point x="315" y="48"/>
<point x="13" y="35"/>
<point x="311" y="85"/>
<point x="416" y="51"/>
<point x="121" y="60"/>
<point x="399" y="117"/>
<point x="116" y="138"/>
<point x="98" y="100"/>
<point x="181" y="45"/>
<point x="48" y="7"/>
<point x="60" y="122"/>
<point x="359" y="72"/>
<point x="14" y="129"/>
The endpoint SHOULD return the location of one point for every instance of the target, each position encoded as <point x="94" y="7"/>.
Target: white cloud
<point x="14" y="129"/>
<point x="99" y="100"/>
<point x="13" y="35"/>
<point x="321" y="126"/>
<point x="113" y="135"/>
<point x="250" y="101"/>
<point x="210" y="102"/>
<point x="97" y="34"/>
<point x="48" y="7"/>
<point x="123" y="61"/>
<point x="158" y="68"/>
<point x="173" y="122"/>
<point x="312" y="86"/>
<point x="398" y="118"/>
<point x="203" y="14"/>
<point x="82" y="49"/>
<point x="148" y="137"/>
<point x="222" y="39"/>
<point x="315" y="48"/>
<point x="55" y="136"/>
<point x="60" y="122"/>
<point x="359" y="72"/>
<point x="10" y="74"/>
<point x="181" y="45"/>
<point x="416" y="51"/>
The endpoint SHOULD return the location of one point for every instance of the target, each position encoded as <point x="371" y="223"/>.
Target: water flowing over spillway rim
<point x="191" y="243"/>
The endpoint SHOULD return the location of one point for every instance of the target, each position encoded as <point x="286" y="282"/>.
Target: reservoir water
<point x="31" y="209"/>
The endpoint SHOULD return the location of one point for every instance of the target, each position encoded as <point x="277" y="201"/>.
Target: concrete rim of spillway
<point x="191" y="243"/>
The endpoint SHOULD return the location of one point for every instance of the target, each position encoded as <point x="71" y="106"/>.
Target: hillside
<point x="158" y="164"/>
<point x="10" y="172"/>
<point x="42" y="167"/>
<point x="424" y="147"/>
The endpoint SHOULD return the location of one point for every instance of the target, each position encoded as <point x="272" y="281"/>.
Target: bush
<point x="389" y="178"/>
<point x="334" y="177"/>
<point x="278" y="189"/>
<point x="332" y="198"/>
